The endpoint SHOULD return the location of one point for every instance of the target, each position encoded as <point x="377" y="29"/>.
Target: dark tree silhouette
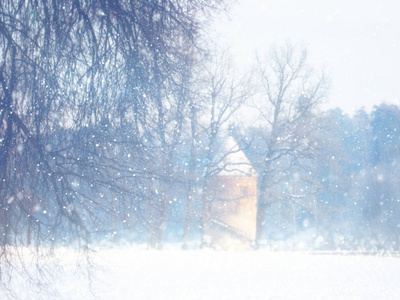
<point x="87" y="99"/>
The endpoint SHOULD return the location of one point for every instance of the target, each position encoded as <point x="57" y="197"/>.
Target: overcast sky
<point x="356" y="42"/>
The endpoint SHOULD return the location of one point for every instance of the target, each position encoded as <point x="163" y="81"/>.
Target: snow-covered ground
<point x="132" y="273"/>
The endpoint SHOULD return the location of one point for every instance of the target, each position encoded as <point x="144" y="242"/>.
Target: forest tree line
<point x="112" y="113"/>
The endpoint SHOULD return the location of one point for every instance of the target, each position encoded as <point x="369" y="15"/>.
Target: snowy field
<point x="132" y="273"/>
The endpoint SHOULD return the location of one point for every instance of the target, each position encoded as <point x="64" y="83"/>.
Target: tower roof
<point x="233" y="161"/>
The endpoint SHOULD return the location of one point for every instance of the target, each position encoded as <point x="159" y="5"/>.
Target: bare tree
<point x="289" y="93"/>
<point x="218" y="95"/>
<point x="86" y="94"/>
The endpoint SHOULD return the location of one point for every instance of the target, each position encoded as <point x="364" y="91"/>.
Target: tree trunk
<point x="192" y="179"/>
<point x="261" y="211"/>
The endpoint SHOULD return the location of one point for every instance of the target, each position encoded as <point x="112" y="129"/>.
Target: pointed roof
<point x="233" y="161"/>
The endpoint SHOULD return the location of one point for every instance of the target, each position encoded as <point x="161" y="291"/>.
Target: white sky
<point x="356" y="42"/>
